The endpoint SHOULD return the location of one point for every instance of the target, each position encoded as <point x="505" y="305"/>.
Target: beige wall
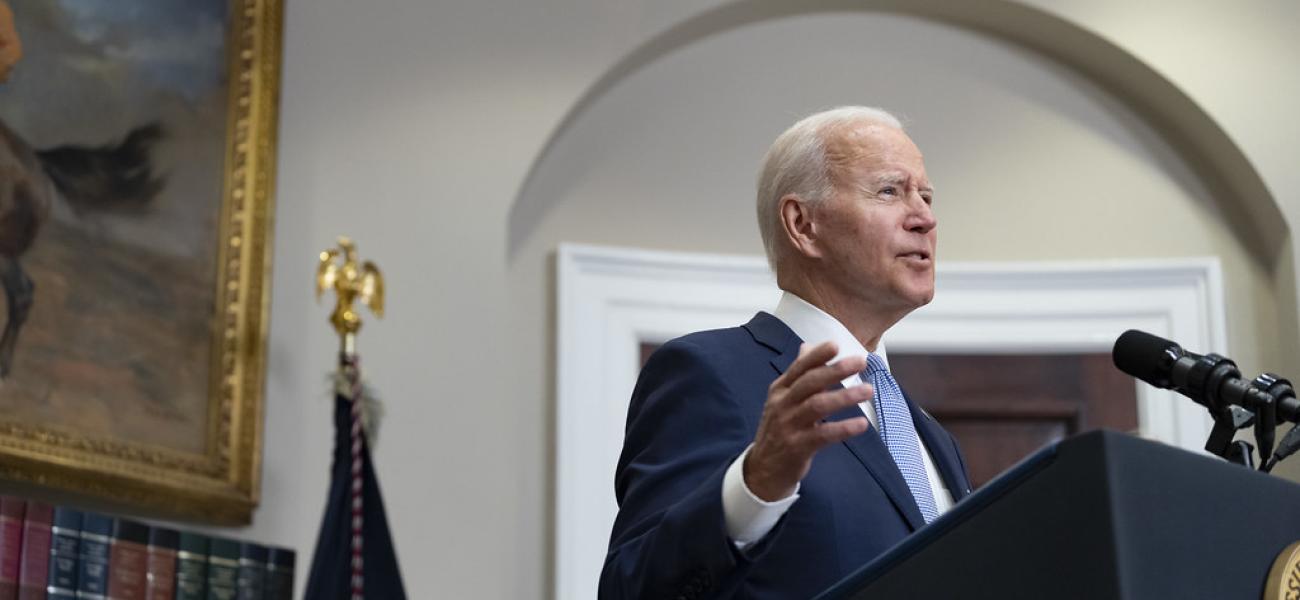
<point x="412" y="126"/>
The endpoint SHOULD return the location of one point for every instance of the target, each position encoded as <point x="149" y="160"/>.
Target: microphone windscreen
<point x="1145" y="356"/>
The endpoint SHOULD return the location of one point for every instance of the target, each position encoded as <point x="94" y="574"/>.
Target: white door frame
<point x="613" y="299"/>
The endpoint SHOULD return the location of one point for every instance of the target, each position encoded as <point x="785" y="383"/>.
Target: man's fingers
<point x="838" y="431"/>
<point x="818" y="379"/>
<point x="827" y="403"/>
<point x="809" y="357"/>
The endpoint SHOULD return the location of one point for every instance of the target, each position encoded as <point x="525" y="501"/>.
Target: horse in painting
<point x="112" y="177"/>
<point x="108" y="177"/>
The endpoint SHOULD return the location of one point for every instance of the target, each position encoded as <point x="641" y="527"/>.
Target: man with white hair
<point x="772" y="459"/>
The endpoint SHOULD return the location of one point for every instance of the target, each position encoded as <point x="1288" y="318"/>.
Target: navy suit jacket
<point x="695" y="408"/>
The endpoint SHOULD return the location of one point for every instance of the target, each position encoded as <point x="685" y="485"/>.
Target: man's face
<point x="877" y="231"/>
<point x="11" y="47"/>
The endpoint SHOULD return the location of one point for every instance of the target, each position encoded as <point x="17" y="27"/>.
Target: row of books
<point x="65" y="553"/>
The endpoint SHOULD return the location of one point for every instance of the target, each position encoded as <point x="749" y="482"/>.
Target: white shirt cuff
<point x="748" y="517"/>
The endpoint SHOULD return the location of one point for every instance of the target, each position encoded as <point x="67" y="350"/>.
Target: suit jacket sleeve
<point x="684" y="427"/>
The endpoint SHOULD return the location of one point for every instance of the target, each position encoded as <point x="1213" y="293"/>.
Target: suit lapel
<point x="777" y="336"/>
<point x="941" y="450"/>
<point x="870" y="450"/>
<point x="868" y="447"/>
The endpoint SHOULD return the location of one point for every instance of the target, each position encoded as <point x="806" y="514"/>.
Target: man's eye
<point x="928" y="198"/>
<point x="890" y="190"/>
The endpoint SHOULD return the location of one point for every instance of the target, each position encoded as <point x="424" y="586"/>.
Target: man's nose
<point x="921" y="218"/>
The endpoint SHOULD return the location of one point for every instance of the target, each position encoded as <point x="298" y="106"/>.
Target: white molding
<point x="612" y="299"/>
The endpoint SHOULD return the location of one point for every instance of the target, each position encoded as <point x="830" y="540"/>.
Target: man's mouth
<point x="920" y="255"/>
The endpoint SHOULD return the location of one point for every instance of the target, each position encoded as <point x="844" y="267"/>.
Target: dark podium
<point x="1101" y="515"/>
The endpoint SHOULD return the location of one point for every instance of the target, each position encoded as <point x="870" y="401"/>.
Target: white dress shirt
<point x="749" y="518"/>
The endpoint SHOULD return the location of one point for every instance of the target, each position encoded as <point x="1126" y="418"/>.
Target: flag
<point x="354" y="557"/>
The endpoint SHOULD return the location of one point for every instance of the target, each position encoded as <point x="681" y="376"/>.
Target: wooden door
<point x="1003" y="407"/>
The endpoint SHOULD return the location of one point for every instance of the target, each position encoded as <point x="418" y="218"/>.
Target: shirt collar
<point x="814" y="326"/>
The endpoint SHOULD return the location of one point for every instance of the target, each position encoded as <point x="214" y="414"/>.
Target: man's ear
<point x="797" y="225"/>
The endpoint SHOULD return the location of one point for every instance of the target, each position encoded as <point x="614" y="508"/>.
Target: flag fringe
<point x="343" y="383"/>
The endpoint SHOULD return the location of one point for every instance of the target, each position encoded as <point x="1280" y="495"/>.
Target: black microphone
<point x="1211" y="380"/>
<point x="1214" y="382"/>
<point x="1166" y="365"/>
<point x="1147" y="357"/>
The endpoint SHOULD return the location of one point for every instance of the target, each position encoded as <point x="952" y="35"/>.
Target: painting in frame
<point x="135" y="227"/>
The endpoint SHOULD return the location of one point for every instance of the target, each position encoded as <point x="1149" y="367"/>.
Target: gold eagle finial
<point x="352" y="282"/>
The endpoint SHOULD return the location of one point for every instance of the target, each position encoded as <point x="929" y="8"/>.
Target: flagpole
<point x="352" y="281"/>
<point x="347" y="349"/>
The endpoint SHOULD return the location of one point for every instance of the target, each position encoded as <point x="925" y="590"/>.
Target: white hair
<point x="796" y="164"/>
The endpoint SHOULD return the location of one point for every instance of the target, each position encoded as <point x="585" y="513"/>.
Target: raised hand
<point x="791" y="430"/>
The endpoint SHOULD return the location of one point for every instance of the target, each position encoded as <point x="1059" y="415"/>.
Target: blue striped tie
<point x="899" y="434"/>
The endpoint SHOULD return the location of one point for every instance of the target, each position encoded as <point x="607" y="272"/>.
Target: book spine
<point x="192" y="567"/>
<point x="127" y="560"/>
<point x="252" y="571"/>
<point x="92" y="575"/>
<point x="279" y="574"/>
<point x="223" y="578"/>
<point x="223" y="569"/>
<point x="251" y="584"/>
<point x="160" y="581"/>
<point x="191" y="576"/>
<point x="279" y="583"/>
<point x="11" y="544"/>
<point x="36" y="551"/>
<point x="65" y="548"/>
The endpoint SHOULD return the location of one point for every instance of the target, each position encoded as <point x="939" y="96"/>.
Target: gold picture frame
<point x="219" y="485"/>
